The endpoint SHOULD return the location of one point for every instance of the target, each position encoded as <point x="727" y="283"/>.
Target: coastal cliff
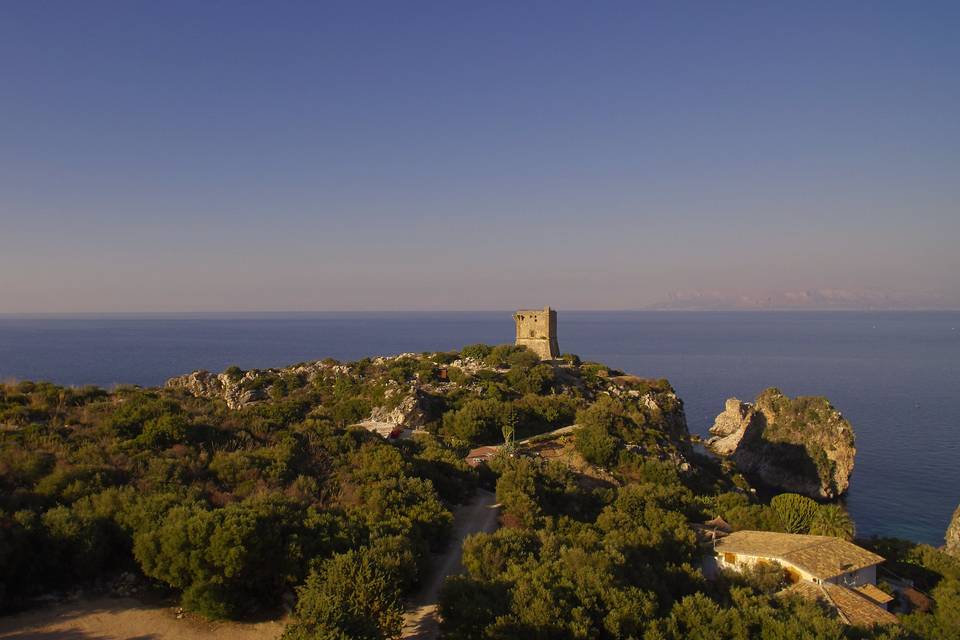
<point x="953" y="535"/>
<point x="802" y="445"/>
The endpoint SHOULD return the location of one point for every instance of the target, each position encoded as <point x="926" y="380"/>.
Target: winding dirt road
<point x="421" y="622"/>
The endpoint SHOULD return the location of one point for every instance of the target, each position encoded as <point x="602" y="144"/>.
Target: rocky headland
<point x="803" y="445"/>
<point x="408" y="403"/>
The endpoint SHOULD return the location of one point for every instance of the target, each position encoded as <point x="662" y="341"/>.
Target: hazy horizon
<point x="215" y="157"/>
<point x="267" y="313"/>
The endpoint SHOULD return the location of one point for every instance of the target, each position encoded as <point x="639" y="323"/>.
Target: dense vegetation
<point x="584" y="561"/>
<point x="232" y="509"/>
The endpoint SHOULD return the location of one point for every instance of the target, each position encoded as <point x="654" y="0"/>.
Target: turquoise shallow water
<point x="896" y="376"/>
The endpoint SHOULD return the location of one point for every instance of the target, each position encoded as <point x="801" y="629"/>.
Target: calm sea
<point x="896" y="376"/>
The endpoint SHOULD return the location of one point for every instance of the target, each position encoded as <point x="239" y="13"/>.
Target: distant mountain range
<point x="809" y="299"/>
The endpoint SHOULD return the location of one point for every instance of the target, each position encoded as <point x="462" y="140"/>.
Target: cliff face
<point x="953" y="535"/>
<point x="802" y="445"/>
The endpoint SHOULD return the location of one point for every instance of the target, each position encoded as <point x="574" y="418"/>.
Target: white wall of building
<point x="867" y="575"/>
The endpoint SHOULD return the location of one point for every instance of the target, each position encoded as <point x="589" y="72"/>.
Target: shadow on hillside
<point x="70" y="634"/>
<point x="792" y="461"/>
<point x="12" y="625"/>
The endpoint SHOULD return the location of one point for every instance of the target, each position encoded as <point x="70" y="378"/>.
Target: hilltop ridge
<point x="241" y="492"/>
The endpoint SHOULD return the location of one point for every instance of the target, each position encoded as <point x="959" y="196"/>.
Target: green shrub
<point x="763" y="577"/>
<point x="596" y="445"/>
<point x="355" y="595"/>
<point x="136" y="409"/>
<point x="476" y="422"/>
<point x="571" y="359"/>
<point x="209" y="600"/>
<point x="545" y="413"/>
<point x="594" y="370"/>
<point x="164" y="431"/>
<point x="466" y="606"/>
<point x="499" y="356"/>
<point x="456" y="375"/>
<point x="476" y="351"/>
<point x="251" y="553"/>
<point x="350" y="411"/>
<point x="608" y="415"/>
<point x="522" y="358"/>
<point x="533" y="380"/>
<point x="427" y="371"/>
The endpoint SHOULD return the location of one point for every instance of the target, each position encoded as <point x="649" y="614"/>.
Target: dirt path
<point x="420" y="622"/>
<point x="556" y="432"/>
<point x="106" y="618"/>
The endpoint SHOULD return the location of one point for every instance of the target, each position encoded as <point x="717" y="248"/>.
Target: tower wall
<point x="537" y="331"/>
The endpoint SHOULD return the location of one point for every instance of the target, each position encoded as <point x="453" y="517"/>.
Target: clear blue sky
<point x="174" y="156"/>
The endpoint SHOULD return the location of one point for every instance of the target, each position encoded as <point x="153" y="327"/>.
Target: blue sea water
<point x="896" y="376"/>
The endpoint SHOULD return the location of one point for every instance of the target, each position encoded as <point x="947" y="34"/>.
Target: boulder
<point x="231" y="390"/>
<point x="802" y="445"/>
<point x="407" y="414"/>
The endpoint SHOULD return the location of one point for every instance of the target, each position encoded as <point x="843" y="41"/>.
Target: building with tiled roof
<point x="851" y="606"/>
<point x="814" y="558"/>
<point x="480" y="455"/>
<point x="873" y="592"/>
<point x="834" y="572"/>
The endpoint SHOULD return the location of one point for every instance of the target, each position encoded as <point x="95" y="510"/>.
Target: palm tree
<point x="833" y="520"/>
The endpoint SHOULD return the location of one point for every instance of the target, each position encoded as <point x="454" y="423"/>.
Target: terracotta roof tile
<point x="874" y="593"/>
<point x="851" y="607"/>
<point x="821" y="556"/>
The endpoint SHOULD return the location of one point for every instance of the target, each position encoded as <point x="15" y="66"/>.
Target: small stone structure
<point x="537" y="331"/>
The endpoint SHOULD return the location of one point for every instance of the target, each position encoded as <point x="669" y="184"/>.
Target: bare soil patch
<point x="106" y="618"/>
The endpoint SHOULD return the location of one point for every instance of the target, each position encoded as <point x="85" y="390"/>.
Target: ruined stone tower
<point x="537" y="331"/>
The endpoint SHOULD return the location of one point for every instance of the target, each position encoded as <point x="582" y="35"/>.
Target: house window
<point x="730" y="558"/>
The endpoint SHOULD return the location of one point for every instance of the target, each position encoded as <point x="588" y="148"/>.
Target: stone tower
<point x="537" y="331"/>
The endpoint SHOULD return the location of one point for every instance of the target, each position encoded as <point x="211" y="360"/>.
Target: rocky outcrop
<point x="406" y="409"/>
<point x="204" y="384"/>
<point x="953" y="535"/>
<point x="732" y="425"/>
<point x="669" y="407"/>
<point x="240" y="388"/>
<point x="409" y="412"/>
<point x="802" y="445"/>
<point x="657" y="400"/>
<point x="406" y="406"/>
